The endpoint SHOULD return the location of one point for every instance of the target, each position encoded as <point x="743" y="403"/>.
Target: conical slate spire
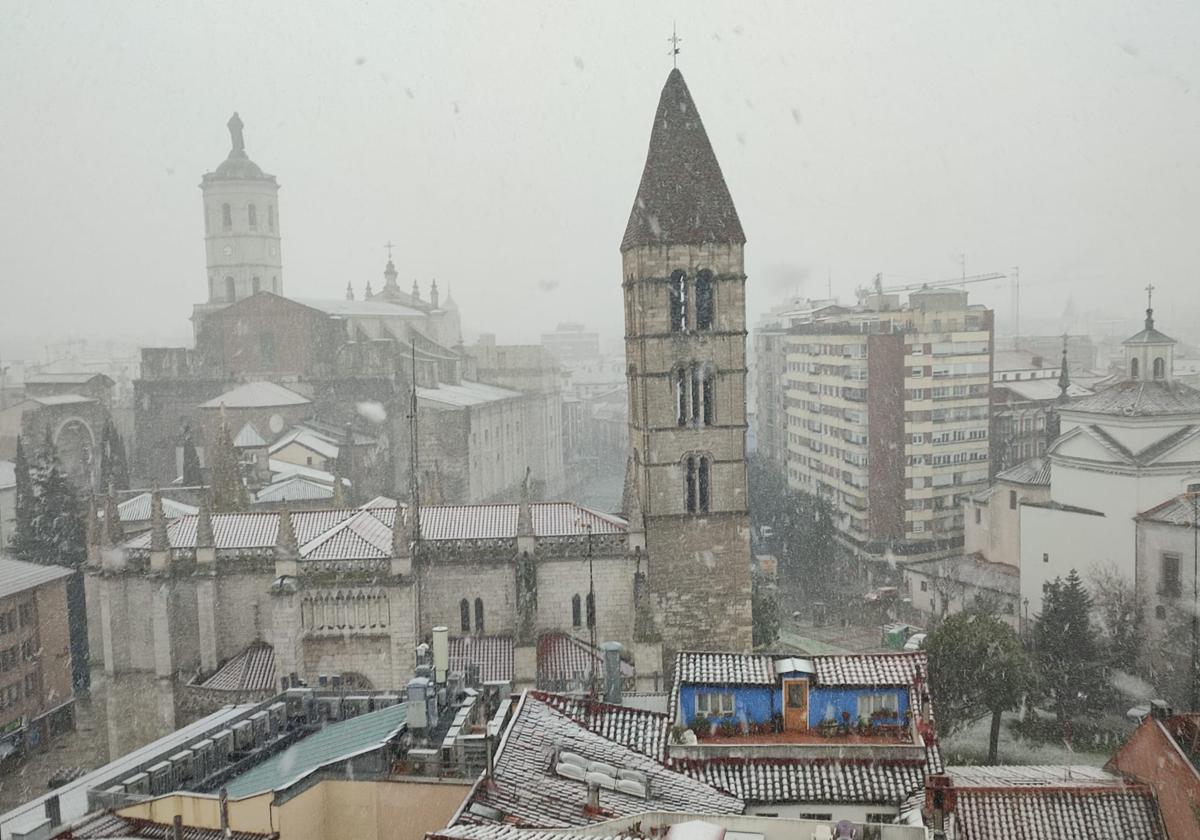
<point x="1064" y="377"/>
<point x="682" y="199"/>
<point x="204" y="526"/>
<point x="286" y="547"/>
<point x="158" y="523"/>
<point x="631" y="499"/>
<point x="113" y="533"/>
<point x="525" y="509"/>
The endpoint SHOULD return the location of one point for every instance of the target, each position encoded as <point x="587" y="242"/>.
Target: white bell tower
<point x="241" y="229"/>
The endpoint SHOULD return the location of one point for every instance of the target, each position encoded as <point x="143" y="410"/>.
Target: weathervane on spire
<point x="1150" y="296"/>
<point x="674" y="40"/>
<point x="389" y="249"/>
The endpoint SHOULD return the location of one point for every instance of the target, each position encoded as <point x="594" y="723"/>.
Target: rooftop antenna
<point x="414" y="463"/>
<point x="674" y="40"/>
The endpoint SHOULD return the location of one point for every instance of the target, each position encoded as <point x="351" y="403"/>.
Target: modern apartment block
<point x="882" y="409"/>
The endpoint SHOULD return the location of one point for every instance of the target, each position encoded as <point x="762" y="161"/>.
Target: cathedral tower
<point x="241" y="228"/>
<point x="685" y="346"/>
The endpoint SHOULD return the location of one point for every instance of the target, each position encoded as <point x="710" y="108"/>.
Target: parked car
<point x="915" y="642"/>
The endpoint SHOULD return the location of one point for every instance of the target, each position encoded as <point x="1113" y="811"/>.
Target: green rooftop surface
<point x="336" y="742"/>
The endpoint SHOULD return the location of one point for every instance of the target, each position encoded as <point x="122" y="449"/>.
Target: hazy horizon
<point x="500" y="152"/>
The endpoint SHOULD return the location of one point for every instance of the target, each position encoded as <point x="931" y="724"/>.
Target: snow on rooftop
<point x="257" y="395"/>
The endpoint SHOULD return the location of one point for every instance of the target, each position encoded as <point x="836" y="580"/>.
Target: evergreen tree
<point x="1070" y="664"/>
<point x="192" y="474"/>
<point x="114" y="468"/>
<point x="225" y="474"/>
<point x="766" y="612"/>
<point x="978" y="667"/>
<point x="22" y="534"/>
<point x="54" y="531"/>
<point x="57" y="531"/>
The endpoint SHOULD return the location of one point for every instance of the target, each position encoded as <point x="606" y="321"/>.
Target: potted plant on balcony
<point x="727" y="727"/>
<point x="829" y="727"/>
<point x="701" y="725"/>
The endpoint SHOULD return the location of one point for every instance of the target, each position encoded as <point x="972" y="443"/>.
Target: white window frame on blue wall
<point x="868" y="704"/>
<point x="715" y="703"/>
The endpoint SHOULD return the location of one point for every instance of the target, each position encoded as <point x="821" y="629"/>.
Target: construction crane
<point x="878" y="288"/>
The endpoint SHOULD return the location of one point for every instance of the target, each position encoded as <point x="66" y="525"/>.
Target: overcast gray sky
<point x="500" y="146"/>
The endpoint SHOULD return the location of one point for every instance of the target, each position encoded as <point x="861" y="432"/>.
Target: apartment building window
<point x="1169" y="585"/>
<point x="924" y="586"/>
<point x="1012" y="499"/>
<point x="10" y="695"/>
<point x="32" y="689"/>
<point x="978" y="515"/>
<point x="8" y="659"/>
<point x="1045" y="557"/>
<point x="576" y="611"/>
<point x="25" y="614"/>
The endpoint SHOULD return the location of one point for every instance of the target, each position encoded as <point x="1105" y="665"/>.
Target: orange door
<point x="795" y="705"/>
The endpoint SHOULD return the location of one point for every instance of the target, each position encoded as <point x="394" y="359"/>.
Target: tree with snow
<point x="1069" y="661"/>
<point x="114" y="467"/>
<point x="192" y="474"/>
<point x="977" y="667"/>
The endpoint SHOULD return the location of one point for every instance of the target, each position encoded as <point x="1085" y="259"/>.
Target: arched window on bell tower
<point x="1133" y="368"/>
<point x="226" y="216"/>
<point x="255" y="285"/>
<point x="252" y="216"/>
<point x="479" y="616"/>
<point x="677" y="296"/>
<point x="230" y="289"/>
<point x="271" y="217"/>
<point x="1160" y="368"/>
<point x="705" y="303"/>
<point x="697" y="483"/>
<point x="464" y="615"/>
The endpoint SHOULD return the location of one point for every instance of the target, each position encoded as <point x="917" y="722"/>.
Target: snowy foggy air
<point x="461" y="421"/>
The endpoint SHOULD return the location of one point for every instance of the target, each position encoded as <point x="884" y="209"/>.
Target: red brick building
<point x="1163" y="754"/>
<point x="36" y="693"/>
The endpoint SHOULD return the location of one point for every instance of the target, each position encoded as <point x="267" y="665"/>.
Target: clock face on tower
<point x="228" y="249"/>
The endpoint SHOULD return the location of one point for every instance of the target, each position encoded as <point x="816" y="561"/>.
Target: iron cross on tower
<point x="674" y="40"/>
<point x="1150" y="296"/>
<point x="389" y="249"/>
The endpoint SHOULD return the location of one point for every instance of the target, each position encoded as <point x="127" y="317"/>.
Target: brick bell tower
<point x="685" y="346"/>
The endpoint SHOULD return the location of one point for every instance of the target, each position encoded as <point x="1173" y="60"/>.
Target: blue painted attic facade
<point x="761" y="703"/>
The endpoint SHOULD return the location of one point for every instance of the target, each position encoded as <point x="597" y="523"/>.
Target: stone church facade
<point x="354" y="591"/>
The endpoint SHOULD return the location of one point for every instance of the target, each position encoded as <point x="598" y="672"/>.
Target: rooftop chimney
<point x="441" y="654"/>
<point x="612" y="672"/>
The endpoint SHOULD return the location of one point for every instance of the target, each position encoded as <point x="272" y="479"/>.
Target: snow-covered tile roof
<point x="842" y="780"/>
<point x="510" y="832"/>
<point x="870" y="668"/>
<point x="638" y="729"/>
<point x="493" y="655"/>
<point x="716" y="668"/>
<point x="359" y="537"/>
<point x="562" y="658"/>
<point x="285" y="469"/>
<point x="295" y="488"/>
<point x="137" y="508"/>
<point x="525" y="787"/>
<point x="1128" y="812"/>
<point x="256" y="395"/>
<point x="359" y="533"/>
<point x="1029" y="775"/>
<point x="19" y="576"/>
<point x="251" y="670"/>
<point x="309" y="439"/>
<point x="62" y="399"/>
<point x="248" y="438"/>
<point x="466" y="394"/>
